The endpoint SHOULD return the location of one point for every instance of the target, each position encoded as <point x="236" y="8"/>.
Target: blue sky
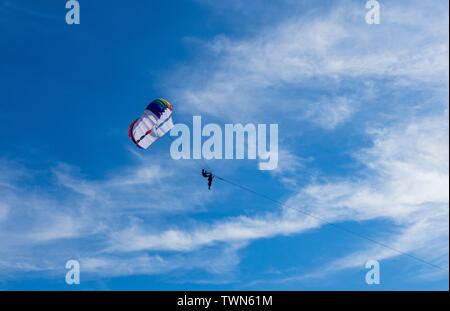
<point x="363" y="138"/>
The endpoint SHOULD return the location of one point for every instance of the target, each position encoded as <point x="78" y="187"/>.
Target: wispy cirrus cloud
<point x="286" y="63"/>
<point x="37" y="222"/>
<point x="317" y="69"/>
<point x="407" y="183"/>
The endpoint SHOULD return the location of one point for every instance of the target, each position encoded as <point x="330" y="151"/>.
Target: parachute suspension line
<point x="337" y="226"/>
<point x="249" y="190"/>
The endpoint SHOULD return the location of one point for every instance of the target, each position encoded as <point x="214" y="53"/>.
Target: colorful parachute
<point x="153" y="124"/>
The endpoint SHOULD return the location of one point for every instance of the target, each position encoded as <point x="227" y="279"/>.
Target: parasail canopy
<point x="153" y="124"/>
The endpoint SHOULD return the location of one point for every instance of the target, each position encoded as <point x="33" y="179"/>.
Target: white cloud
<point x="330" y="113"/>
<point x="254" y="77"/>
<point x="407" y="183"/>
<point x="233" y="230"/>
<point x="289" y="167"/>
<point x="405" y="180"/>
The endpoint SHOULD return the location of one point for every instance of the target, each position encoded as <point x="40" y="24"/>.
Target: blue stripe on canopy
<point x="157" y="107"/>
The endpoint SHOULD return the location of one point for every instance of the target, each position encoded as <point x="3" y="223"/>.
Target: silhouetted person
<point x="208" y="175"/>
